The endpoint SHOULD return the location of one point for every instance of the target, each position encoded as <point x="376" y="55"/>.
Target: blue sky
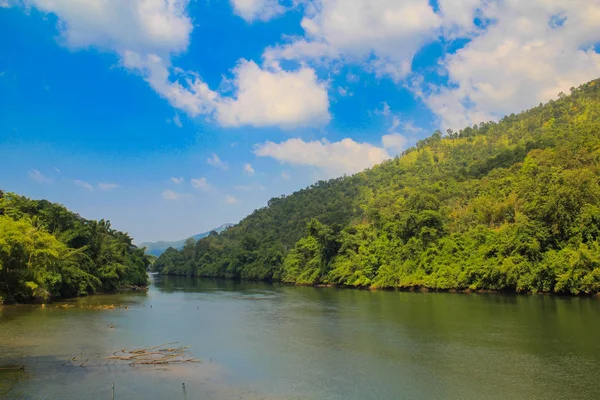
<point x="171" y="117"/>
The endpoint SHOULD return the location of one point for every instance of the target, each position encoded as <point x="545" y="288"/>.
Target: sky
<point x="172" y="117"/>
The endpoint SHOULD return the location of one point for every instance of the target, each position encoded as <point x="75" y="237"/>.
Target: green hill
<point x="47" y="252"/>
<point x="157" y="248"/>
<point x="512" y="206"/>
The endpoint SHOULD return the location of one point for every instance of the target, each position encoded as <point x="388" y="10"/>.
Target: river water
<point x="261" y="341"/>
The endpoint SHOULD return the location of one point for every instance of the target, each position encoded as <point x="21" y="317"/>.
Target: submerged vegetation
<point x="47" y="252"/>
<point x="513" y="206"/>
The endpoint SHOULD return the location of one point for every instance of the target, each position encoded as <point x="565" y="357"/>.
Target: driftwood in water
<point x="153" y="355"/>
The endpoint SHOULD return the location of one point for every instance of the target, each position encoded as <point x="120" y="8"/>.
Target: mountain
<point x="512" y="206"/>
<point x="157" y="248"/>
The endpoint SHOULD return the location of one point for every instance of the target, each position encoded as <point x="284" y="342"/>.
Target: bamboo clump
<point x="153" y="355"/>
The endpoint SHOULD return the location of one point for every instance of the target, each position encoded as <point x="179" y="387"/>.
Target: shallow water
<point x="261" y="341"/>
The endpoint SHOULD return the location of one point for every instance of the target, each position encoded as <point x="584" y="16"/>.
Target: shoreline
<point x="412" y="289"/>
<point x="122" y="289"/>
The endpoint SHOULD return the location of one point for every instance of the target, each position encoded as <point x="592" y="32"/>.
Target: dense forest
<point x="509" y="206"/>
<point x="47" y="252"/>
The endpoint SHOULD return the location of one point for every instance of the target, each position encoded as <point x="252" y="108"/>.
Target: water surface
<point x="261" y="341"/>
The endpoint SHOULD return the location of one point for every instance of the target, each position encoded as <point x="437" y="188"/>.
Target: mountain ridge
<point x="158" y="247"/>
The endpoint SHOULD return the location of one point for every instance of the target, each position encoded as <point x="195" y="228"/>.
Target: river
<point x="262" y="341"/>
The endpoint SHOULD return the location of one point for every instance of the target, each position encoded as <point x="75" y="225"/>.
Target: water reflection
<point x="277" y="341"/>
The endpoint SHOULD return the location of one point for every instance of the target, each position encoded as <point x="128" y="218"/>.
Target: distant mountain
<point x="157" y="248"/>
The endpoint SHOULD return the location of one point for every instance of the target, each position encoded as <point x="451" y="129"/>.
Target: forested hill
<point x="513" y="205"/>
<point x="157" y="248"/>
<point x="47" y="252"/>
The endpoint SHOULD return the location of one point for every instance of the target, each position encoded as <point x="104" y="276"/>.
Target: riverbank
<point x="415" y="288"/>
<point x="50" y="300"/>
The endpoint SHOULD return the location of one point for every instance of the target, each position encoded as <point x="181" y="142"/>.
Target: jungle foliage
<point x="47" y="252"/>
<point x="509" y="206"/>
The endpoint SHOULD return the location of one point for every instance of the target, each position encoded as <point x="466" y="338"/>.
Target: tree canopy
<point x="512" y="205"/>
<point x="47" y="251"/>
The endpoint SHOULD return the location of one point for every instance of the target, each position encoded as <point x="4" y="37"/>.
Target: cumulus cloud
<point x="176" y="180"/>
<point x="251" y="10"/>
<point x="263" y="96"/>
<point x="144" y="26"/>
<point x="274" y="97"/>
<point x="146" y="34"/>
<point x="518" y="54"/>
<point x="183" y="90"/>
<point x="202" y="184"/>
<point x="330" y="158"/>
<point x="248" y="169"/>
<point x="395" y="142"/>
<point x="215" y="161"/>
<point x="107" y="186"/>
<point x="522" y="58"/>
<point x="37" y="176"/>
<point x="83" y="184"/>
<point x="386" y="34"/>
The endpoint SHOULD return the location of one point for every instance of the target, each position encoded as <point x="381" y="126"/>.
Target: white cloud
<point x="521" y="53"/>
<point x="386" y="34"/>
<point x="215" y="161"/>
<point x="107" y="186"/>
<point x="263" y="96"/>
<point x="38" y="176"/>
<point x="519" y="57"/>
<point x="186" y="92"/>
<point x="394" y="142"/>
<point x="145" y="26"/>
<point x="202" y="184"/>
<point x="285" y="176"/>
<point x="83" y="184"/>
<point x="520" y="60"/>
<point x="331" y="159"/>
<point x="176" y="180"/>
<point x="302" y="50"/>
<point x="172" y="195"/>
<point x="229" y="199"/>
<point x="177" y="121"/>
<point x="248" y="169"/>
<point x="458" y="15"/>
<point x="251" y="10"/>
<point x="146" y="34"/>
<point x="267" y="97"/>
